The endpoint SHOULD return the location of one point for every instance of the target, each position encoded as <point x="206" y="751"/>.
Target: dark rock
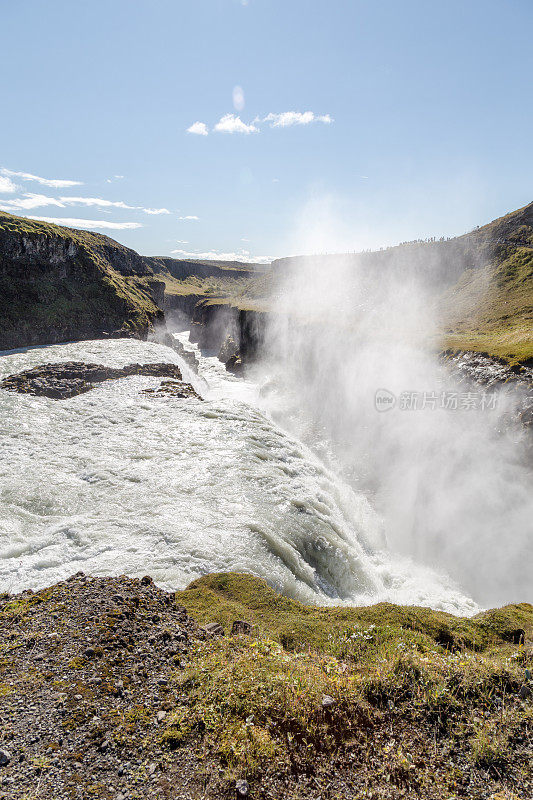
<point x="525" y="692"/>
<point x="240" y="626"/>
<point x="5" y="758"/>
<point x="62" y="381"/>
<point x="234" y="365"/>
<point x="229" y="349"/>
<point x="188" y="356"/>
<point x="213" y="629"/>
<point x="146" y="580"/>
<point x="174" y="389"/>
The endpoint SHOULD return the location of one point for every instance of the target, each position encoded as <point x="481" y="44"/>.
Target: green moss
<point x="178" y="727"/>
<point x="224" y="597"/>
<point x="259" y="698"/>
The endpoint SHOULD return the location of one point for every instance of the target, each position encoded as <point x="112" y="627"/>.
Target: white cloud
<point x="200" y="128"/>
<point x="101" y="203"/>
<point x="191" y="216"/>
<point x="182" y="241"/>
<point x="288" y="118"/>
<point x="217" y="255"/>
<point x="89" y="224"/>
<point x="7" y="185"/>
<point x="96" y="201"/>
<point x="54" y="183"/>
<point x="29" y="201"/>
<point x="230" y="123"/>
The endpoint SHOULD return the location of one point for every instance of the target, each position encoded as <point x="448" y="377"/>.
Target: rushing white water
<point x="446" y="465"/>
<point x="115" y="481"/>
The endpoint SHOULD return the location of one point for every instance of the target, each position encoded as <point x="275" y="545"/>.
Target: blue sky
<point x="358" y="123"/>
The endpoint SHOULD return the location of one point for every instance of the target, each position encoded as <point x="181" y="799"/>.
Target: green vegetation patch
<point x="224" y="597"/>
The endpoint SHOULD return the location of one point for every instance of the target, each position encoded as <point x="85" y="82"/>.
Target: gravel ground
<point x="84" y="691"/>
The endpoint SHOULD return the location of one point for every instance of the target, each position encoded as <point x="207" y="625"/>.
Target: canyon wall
<point x="59" y="284"/>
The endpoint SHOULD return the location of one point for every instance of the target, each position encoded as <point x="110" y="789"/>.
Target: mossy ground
<point x="107" y="685"/>
<point x="228" y="596"/>
<point x="424" y="703"/>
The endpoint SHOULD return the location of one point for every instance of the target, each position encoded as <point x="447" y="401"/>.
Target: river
<point x="115" y="481"/>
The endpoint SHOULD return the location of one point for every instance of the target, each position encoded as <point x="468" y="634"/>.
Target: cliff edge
<point x="59" y="284"/>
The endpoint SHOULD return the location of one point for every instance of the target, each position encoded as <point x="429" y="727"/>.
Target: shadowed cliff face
<point x="59" y="284"/>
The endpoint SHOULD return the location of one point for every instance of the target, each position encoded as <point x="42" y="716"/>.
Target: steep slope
<point x="490" y="308"/>
<point x="481" y="282"/>
<point x="59" y="284"/>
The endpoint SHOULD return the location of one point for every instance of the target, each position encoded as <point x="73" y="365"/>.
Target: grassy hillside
<point x="224" y="597"/>
<point x="481" y="282"/>
<point x="57" y="284"/>
<point x="384" y="701"/>
<point x="490" y="308"/>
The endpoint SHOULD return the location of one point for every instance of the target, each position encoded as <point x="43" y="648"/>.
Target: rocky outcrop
<point x="229" y="349"/>
<point x="173" y="389"/>
<point x="179" y="309"/>
<point x="480" y="369"/>
<point x="212" y="322"/>
<point x="252" y="325"/>
<point x="487" y="370"/>
<point x="236" y="333"/>
<point x="166" y="338"/>
<point x="61" y="381"/>
<point x="60" y="284"/>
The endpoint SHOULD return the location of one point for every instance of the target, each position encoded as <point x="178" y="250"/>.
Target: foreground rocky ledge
<point x="109" y="689"/>
<point x="61" y="381"/>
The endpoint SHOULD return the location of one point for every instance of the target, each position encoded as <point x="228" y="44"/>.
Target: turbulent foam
<point x="114" y="481"/>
